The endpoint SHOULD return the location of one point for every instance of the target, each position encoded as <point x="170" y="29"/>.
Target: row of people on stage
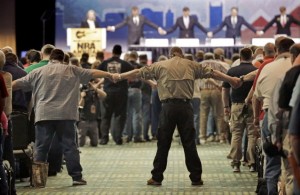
<point x="186" y="24"/>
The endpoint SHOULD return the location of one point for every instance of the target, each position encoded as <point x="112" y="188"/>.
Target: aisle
<point x="113" y="169"/>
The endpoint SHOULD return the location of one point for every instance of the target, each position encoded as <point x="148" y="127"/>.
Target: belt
<point x="176" y="100"/>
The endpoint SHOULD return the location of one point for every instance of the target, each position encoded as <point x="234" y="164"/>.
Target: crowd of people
<point x="205" y="95"/>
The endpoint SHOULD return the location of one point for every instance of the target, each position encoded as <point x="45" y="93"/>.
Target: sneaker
<point x="252" y="168"/>
<point x="236" y="169"/>
<point x="152" y="182"/>
<point x="210" y="138"/>
<point x="79" y="182"/>
<point x="197" y="183"/>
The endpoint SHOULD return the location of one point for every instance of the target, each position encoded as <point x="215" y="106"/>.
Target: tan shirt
<point x="175" y="77"/>
<point x="269" y="76"/>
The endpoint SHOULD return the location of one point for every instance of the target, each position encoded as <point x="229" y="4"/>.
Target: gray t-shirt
<point x="55" y="90"/>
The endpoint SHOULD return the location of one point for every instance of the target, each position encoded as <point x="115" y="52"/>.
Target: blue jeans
<point x="156" y="108"/>
<point x="133" y="125"/>
<point x="273" y="164"/>
<point x="3" y="179"/>
<point x="65" y="131"/>
<point x="196" y="110"/>
<point x="211" y="125"/>
<point x="146" y="113"/>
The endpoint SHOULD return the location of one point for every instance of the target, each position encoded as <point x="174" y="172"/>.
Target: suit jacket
<point x="135" y="32"/>
<point x="233" y="32"/>
<point x="186" y="32"/>
<point x="286" y="29"/>
<point x="85" y="24"/>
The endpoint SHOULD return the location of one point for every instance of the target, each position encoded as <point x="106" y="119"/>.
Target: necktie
<point x="283" y="21"/>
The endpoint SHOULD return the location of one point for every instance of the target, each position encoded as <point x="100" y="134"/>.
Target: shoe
<point x="138" y="140"/>
<point x="210" y="138"/>
<point x="197" y="141"/>
<point x="252" y="168"/>
<point x="103" y="142"/>
<point x="79" y="182"/>
<point x="197" y="183"/>
<point x="154" y="138"/>
<point x="236" y="169"/>
<point x="52" y="173"/>
<point x="152" y="182"/>
<point x="128" y="140"/>
<point x="119" y="142"/>
<point x="228" y="156"/>
<point x="147" y="140"/>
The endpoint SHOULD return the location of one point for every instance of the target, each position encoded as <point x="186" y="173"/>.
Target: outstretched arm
<point x="249" y="25"/>
<point x="295" y="21"/>
<point x="269" y="24"/>
<point x="219" y="28"/>
<point x="197" y="23"/>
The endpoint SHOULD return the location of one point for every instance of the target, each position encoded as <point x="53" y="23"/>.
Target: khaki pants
<point x="286" y="170"/>
<point x="238" y="124"/>
<point x="211" y="98"/>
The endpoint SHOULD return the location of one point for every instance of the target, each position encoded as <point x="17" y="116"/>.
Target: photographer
<point x="89" y="106"/>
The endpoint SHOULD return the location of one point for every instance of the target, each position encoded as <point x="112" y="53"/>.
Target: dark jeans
<point x="65" y="132"/>
<point x="156" y="108"/>
<point x="196" y="109"/>
<point x="114" y="104"/>
<point x="3" y="182"/>
<point x="55" y="156"/>
<point x="180" y="115"/>
<point x="146" y="114"/>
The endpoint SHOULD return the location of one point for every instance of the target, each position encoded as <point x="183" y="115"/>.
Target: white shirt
<point x="233" y="20"/>
<point x="91" y="24"/>
<point x="283" y="20"/>
<point x="136" y="20"/>
<point x="186" y="21"/>
<point x="268" y="78"/>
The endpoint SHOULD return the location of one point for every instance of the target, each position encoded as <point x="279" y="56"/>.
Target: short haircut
<point x="100" y="55"/>
<point x="200" y="54"/>
<point x="246" y="54"/>
<point x="11" y="58"/>
<point x="2" y="59"/>
<point x="74" y="61"/>
<point x="134" y="8"/>
<point x="66" y="58"/>
<point x="284" y="45"/>
<point x="176" y="51"/>
<point x="235" y="8"/>
<point x="34" y="56"/>
<point x="57" y="54"/>
<point x="186" y="9"/>
<point x="47" y="49"/>
<point x="133" y="55"/>
<point x="162" y="58"/>
<point x="295" y="50"/>
<point x="269" y="49"/>
<point x="117" y="50"/>
<point x="282" y="8"/>
<point x="189" y="56"/>
<point x="235" y="57"/>
<point x="209" y="56"/>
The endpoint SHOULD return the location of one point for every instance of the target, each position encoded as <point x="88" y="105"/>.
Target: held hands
<point x="259" y="32"/>
<point x="161" y="31"/>
<point x="110" y="28"/>
<point x="116" y="77"/>
<point x="209" y="34"/>
<point x="236" y="82"/>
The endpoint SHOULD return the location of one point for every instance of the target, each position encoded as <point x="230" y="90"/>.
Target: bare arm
<point x="127" y="75"/>
<point x="233" y="81"/>
<point x="256" y="103"/>
<point x="249" y="96"/>
<point x="101" y="74"/>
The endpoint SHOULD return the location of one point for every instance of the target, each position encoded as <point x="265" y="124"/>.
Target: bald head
<point x="269" y="50"/>
<point x="2" y="59"/>
<point x="176" y="51"/>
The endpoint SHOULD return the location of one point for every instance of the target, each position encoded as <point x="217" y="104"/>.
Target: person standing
<point x="55" y="92"/>
<point x="283" y="22"/>
<point x="116" y="101"/>
<point x="186" y="24"/>
<point x="91" y="20"/>
<point x="241" y="114"/>
<point x="135" y="23"/>
<point x="233" y="25"/>
<point x="175" y="83"/>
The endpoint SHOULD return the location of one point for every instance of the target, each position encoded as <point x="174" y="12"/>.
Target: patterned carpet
<point x="124" y="170"/>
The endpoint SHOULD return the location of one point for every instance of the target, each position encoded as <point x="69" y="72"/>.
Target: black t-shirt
<point x="91" y="108"/>
<point x="115" y="65"/>
<point x="287" y="86"/>
<point x="239" y="95"/>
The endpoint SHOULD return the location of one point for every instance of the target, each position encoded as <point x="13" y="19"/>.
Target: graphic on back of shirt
<point x="114" y="67"/>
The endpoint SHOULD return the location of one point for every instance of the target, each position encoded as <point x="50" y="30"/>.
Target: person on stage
<point x="186" y="24"/>
<point x="135" y="23"/>
<point x="91" y="20"/>
<point x="283" y="22"/>
<point x="233" y="24"/>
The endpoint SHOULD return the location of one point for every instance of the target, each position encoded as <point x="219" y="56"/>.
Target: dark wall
<point x="29" y="24"/>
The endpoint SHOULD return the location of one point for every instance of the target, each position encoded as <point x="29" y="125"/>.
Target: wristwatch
<point x="242" y="78"/>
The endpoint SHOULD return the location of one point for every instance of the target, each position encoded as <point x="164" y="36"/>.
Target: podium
<point x="85" y="40"/>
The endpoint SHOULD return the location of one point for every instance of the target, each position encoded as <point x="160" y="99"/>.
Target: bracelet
<point x="120" y="78"/>
<point x="242" y="78"/>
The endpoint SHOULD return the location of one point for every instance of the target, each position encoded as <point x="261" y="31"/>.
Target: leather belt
<point x="176" y="100"/>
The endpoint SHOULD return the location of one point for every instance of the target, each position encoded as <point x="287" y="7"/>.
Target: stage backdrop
<point x="210" y="13"/>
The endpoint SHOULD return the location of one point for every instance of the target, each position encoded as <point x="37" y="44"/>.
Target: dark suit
<point x="186" y="32"/>
<point x="85" y="24"/>
<point x="135" y="32"/>
<point x="231" y="31"/>
<point x="282" y="29"/>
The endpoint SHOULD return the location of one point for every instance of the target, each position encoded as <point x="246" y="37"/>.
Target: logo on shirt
<point x="114" y="67"/>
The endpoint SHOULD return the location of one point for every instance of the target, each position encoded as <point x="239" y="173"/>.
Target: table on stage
<point x="162" y="46"/>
